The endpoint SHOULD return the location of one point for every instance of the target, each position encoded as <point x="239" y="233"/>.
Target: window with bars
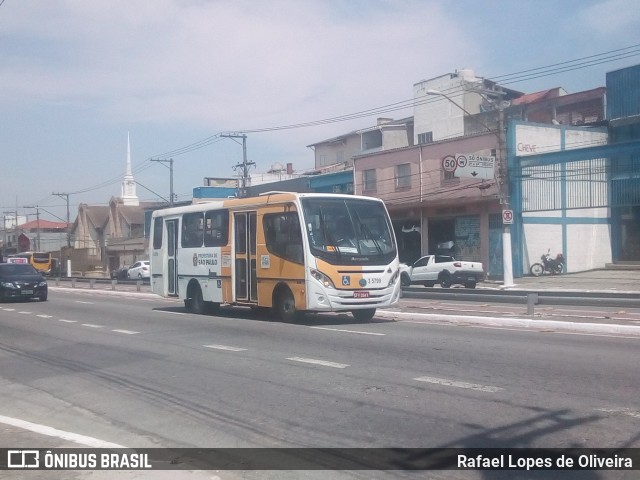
<point x="426" y="137"/>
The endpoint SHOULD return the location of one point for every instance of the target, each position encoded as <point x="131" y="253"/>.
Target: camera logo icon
<point x="23" y="459"/>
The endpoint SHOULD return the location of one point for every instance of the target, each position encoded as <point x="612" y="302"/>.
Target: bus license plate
<point x="27" y="292"/>
<point x="360" y="294"/>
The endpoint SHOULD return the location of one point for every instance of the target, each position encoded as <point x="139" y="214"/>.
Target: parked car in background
<point x="442" y="269"/>
<point x="139" y="271"/>
<point x="21" y="282"/>
<point x="121" y="273"/>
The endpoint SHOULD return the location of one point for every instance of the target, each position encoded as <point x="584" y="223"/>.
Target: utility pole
<point x="170" y="167"/>
<point x="503" y="180"/>
<point x="503" y="173"/>
<point x="15" y="228"/>
<point x="244" y="165"/>
<point x="37" y="226"/>
<point x="66" y="195"/>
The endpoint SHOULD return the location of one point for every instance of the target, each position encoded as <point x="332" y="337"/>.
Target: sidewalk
<point x="591" y="281"/>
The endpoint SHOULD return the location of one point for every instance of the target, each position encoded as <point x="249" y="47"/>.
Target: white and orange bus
<point x="291" y="252"/>
<point x="41" y="261"/>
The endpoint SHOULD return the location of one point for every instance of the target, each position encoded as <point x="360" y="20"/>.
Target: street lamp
<point x="503" y="181"/>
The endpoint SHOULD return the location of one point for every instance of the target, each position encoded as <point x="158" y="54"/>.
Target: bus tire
<point x="285" y="305"/>
<point x="363" y="315"/>
<point x="194" y="302"/>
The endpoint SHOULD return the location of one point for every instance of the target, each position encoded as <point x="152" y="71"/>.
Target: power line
<point x="516" y="77"/>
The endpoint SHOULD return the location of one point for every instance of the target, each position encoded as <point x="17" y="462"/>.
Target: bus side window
<point x="192" y="230"/>
<point x="157" y="232"/>
<point x="216" y="228"/>
<point x="283" y="235"/>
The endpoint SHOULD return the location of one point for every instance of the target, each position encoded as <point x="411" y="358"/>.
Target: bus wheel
<point x="194" y="303"/>
<point x="363" y="315"/>
<point x="285" y="305"/>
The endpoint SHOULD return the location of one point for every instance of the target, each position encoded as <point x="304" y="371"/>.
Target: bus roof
<point x="263" y="199"/>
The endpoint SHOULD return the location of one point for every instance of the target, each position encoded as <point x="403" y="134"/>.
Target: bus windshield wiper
<point x="369" y="236"/>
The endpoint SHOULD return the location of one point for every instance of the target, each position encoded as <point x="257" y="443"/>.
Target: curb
<point x="538" y="325"/>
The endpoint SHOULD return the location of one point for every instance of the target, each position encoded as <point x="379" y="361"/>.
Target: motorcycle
<point x="554" y="266"/>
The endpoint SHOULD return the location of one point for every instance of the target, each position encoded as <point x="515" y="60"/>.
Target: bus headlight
<point x="394" y="277"/>
<point x="322" y="278"/>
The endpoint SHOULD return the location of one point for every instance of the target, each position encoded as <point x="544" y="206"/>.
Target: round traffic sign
<point x="462" y="161"/>
<point x="449" y="163"/>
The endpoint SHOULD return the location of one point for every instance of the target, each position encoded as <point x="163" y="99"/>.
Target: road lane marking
<point x="67" y="321"/>
<point x="622" y="411"/>
<point x="454" y="383"/>
<point x="128" y="332"/>
<point x="54" y="432"/>
<point x="225" y="347"/>
<point x="25" y="313"/>
<point x="318" y="362"/>
<point x="172" y="313"/>
<point x="10" y="309"/>
<point x="88" y="303"/>
<point x="348" y="331"/>
<point x="91" y="325"/>
<point x="44" y="316"/>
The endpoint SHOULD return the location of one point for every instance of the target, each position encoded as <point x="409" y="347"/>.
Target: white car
<point x="442" y="269"/>
<point x="139" y="271"/>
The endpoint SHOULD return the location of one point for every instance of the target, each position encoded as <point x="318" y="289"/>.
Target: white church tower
<point x="128" y="193"/>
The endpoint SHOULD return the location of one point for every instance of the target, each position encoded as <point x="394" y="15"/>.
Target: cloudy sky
<point x="77" y="76"/>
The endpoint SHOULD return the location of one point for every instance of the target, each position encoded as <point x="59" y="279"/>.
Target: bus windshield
<point x="348" y="231"/>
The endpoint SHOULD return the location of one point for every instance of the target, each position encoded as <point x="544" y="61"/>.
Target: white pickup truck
<point x="442" y="269"/>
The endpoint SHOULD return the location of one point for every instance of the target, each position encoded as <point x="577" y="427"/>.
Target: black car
<point x="20" y="281"/>
<point x="121" y="273"/>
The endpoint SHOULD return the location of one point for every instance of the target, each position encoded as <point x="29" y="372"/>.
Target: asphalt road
<point x="139" y="371"/>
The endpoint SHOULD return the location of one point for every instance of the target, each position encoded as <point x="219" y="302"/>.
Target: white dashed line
<point x="225" y="347"/>
<point x="455" y="383"/>
<point x="318" y="362"/>
<point x="67" y="321"/>
<point x="10" y="309"/>
<point x="621" y="411"/>
<point x="44" y="316"/>
<point x="128" y="332"/>
<point x="91" y="325"/>
<point x="88" y="303"/>
<point x="349" y="331"/>
<point x="25" y="313"/>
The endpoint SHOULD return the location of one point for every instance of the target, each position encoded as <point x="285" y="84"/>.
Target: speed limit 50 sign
<point x="449" y="163"/>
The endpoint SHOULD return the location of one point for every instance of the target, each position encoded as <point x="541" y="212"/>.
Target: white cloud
<point x="611" y="17"/>
<point x="229" y="64"/>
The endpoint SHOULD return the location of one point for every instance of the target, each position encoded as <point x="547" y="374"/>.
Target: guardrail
<point x="529" y="298"/>
<point x="102" y="281"/>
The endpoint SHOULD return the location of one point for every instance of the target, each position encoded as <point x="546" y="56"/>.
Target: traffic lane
<point x="345" y="343"/>
<point x="282" y="403"/>
<point x="378" y="369"/>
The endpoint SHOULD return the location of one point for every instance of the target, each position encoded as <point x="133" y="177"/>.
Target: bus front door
<point x="246" y="288"/>
<point x="172" y="248"/>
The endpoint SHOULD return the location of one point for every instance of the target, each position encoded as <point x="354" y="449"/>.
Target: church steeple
<point x="128" y="191"/>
